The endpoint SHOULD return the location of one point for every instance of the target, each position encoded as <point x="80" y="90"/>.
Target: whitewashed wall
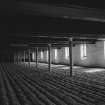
<point x="95" y="55"/>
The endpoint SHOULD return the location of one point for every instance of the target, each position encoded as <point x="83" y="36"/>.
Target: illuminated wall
<point x="47" y="55"/>
<point x="100" y="54"/>
<point x="33" y="56"/>
<point x="41" y="54"/>
<point x="83" y="51"/>
<point x="44" y="55"/>
<point x="84" y="57"/>
<point x="91" y="55"/>
<point x="55" y="54"/>
<point x="94" y="55"/>
<point x="67" y="53"/>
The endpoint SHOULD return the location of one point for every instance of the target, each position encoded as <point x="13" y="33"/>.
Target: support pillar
<point x="14" y="59"/>
<point x="49" y="57"/>
<point x="24" y="56"/>
<point x="36" y="57"/>
<point x="29" y="57"/>
<point x="18" y="58"/>
<point x="71" y="56"/>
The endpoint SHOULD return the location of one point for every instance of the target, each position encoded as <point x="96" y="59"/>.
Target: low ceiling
<point x="84" y="3"/>
<point x="23" y="19"/>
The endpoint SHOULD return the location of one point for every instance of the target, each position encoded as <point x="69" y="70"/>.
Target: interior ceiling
<point x="23" y="19"/>
<point x="85" y="3"/>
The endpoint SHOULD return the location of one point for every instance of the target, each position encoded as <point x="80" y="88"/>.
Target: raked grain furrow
<point x="40" y="91"/>
<point x="78" y="86"/>
<point x="11" y="94"/>
<point x="89" y="80"/>
<point x="63" y="95"/>
<point x="3" y="90"/>
<point x="61" y="91"/>
<point x="28" y="93"/>
<point x="83" y="85"/>
<point x="51" y="90"/>
<point x="89" y="96"/>
<point x="55" y="98"/>
<point x="56" y="92"/>
<point x="52" y="97"/>
<point x="18" y="91"/>
<point x="55" y="87"/>
<point x="92" y="96"/>
<point x="23" y="98"/>
<point x="32" y="92"/>
<point x="70" y="93"/>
